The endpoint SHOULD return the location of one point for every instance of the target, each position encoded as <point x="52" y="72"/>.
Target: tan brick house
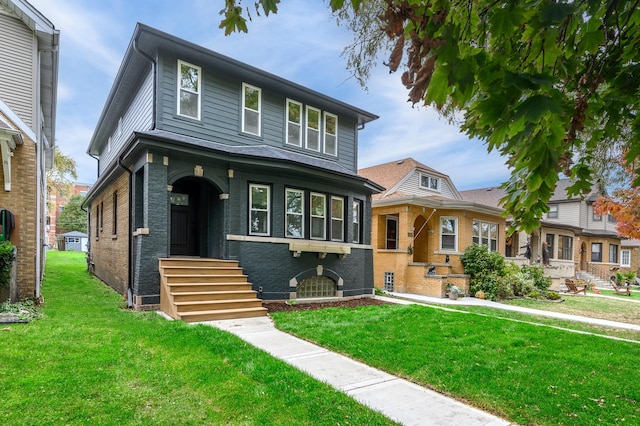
<point x="421" y="226"/>
<point x="28" y="80"/>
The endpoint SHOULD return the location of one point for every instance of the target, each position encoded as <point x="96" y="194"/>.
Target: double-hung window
<point x="625" y="258"/>
<point x="294" y="123"/>
<point x="294" y="226"/>
<point x="565" y="247"/>
<point x="449" y="233"/>
<point x="596" y="252"/>
<point x="357" y="220"/>
<point x="550" y="239"/>
<point x="251" y="108"/>
<point x="613" y="253"/>
<point x="337" y="219"/>
<point x="391" y="241"/>
<point x="330" y="134"/>
<point x="318" y="216"/>
<point x="259" y="214"/>
<point x="553" y="212"/>
<point x="189" y="90"/>
<point x="313" y="129"/>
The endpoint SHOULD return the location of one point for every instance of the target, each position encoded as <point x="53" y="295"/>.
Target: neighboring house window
<point x="449" y="233"/>
<point x="553" y="212"/>
<point x="337" y="219"/>
<point x="97" y="222"/>
<point x="611" y="219"/>
<point x="313" y="129"/>
<point x="357" y="220"/>
<point x="596" y="252"/>
<point x="613" y="253"/>
<point x="625" y="258"/>
<point x="429" y="182"/>
<point x="189" y="90"/>
<point x="115" y="214"/>
<point x="251" y="107"/>
<point x="596" y="217"/>
<point x="550" y="245"/>
<point x="485" y="234"/>
<point x="391" y="242"/>
<point x="259" y="215"/>
<point x="330" y="134"/>
<point x="294" y="226"/>
<point x="101" y="215"/>
<point x="318" y="216"/>
<point x="565" y="247"/>
<point x="294" y="123"/>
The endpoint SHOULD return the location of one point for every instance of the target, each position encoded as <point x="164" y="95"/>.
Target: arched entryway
<point x="583" y="256"/>
<point x="420" y="240"/>
<point x="195" y="227"/>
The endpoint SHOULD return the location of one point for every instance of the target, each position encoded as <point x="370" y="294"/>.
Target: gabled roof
<point x="489" y="196"/>
<point x="149" y="41"/>
<point x="391" y="175"/>
<point x="48" y="42"/>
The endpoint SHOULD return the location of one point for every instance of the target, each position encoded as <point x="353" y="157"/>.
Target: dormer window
<point x="429" y="182"/>
<point x="189" y="90"/>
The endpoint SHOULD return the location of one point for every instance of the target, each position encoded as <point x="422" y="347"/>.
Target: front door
<point x="184" y="238"/>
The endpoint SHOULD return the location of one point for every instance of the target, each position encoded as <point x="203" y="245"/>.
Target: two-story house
<point x="420" y="227"/>
<point x="577" y="238"/>
<point x="28" y="84"/>
<point x="206" y="160"/>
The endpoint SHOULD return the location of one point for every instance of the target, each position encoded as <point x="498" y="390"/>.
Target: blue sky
<point x="302" y="43"/>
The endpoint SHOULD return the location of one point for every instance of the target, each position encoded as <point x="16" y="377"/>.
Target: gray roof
<point x="488" y="196"/>
<point x="76" y="234"/>
<point x="149" y="41"/>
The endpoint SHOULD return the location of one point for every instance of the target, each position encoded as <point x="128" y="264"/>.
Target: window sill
<point x="322" y="248"/>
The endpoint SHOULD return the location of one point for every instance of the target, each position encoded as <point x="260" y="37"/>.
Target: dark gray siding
<point x="221" y="113"/>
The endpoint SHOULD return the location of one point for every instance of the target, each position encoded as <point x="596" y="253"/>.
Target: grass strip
<point x="525" y="373"/>
<point x="88" y="361"/>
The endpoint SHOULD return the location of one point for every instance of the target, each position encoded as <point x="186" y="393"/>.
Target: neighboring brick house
<point x="28" y="81"/>
<point x="420" y="227"/>
<point x="57" y="203"/>
<point x="578" y="239"/>
<point x="630" y="256"/>
<point x="202" y="156"/>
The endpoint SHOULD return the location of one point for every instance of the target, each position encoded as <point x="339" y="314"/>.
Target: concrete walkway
<point x="398" y="399"/>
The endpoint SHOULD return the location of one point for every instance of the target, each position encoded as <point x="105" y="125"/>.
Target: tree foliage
<point x="624" y="205"/>
<point x="543" y="82"/>
<point x="61" y="176"/>
<point x="72" y="217"/>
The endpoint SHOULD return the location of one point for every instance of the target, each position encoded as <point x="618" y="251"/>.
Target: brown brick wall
<point x="109" y="250"/>
<point x="21" y="201"/>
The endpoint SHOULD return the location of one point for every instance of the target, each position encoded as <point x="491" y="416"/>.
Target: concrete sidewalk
<point x="398" y="399"/>
<point x="472" y="301"/>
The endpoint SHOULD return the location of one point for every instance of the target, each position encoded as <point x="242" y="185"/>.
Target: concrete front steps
<point x="194" y="289"/>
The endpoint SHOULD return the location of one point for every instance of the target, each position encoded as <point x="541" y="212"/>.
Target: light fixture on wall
<point x="446" y="259"/>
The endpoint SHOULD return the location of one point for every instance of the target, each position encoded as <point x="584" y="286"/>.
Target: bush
<point x="6" y="261"/>
<point x="520" y="283"/>
<point x="485" y="270"/>
<point x="536" y="273"/>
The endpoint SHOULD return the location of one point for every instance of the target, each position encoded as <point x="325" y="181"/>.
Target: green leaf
<point x="536" y="106"/>
<point x="555" y="13"/>
<point x="269" y="6"/>
<point x="438" y="86"/>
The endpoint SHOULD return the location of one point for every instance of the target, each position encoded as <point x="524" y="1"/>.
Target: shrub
<point x="536" y="273"/>
<point x="520" y="283"/>
<point x="6" y="261"/>
<point x="552" y="295"/>
<point x="485" y="270"/>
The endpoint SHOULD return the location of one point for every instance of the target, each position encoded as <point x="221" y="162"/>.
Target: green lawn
<point x="529" y="374"/>
<point x="88" y="361"/>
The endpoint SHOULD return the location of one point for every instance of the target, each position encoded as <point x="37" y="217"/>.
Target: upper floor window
<point x="337" y="219"/>
<point x="553" y="212"/>
<point x="357" y="220"/>
<point x="596" y="217"/>
<point x="313" y="129"/>
<point x="610" y="218"/>
<point x="625" y="258"/>
<point x="565" y="247"/>
<point x="449" y="233"/>
<point x="429" y="182"/>
<point x="485" y="234"/>
<point x="294" y="210"/>
<point x="318" y="216"/>
<point x="189" y="90"/>
<point x="294" y="123"/>
<point x="330" y="134"/>
<point x="260" y="209"/>
<point x="251" y="108"/>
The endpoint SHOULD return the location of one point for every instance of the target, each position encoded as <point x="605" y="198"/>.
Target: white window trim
<point x="356" y="217"/>
<point x="306" y="127"/>
<point x="341" y="219"/>
<point x="325" y="133"/>
<point x="555" y="214"/>
<point x="455" y="219"/>
<point x="386" y="231"/>
<point x="246" y="86"/>
<point x="302" y="129"/>
<point x="268" y="209"/>
<point x="179" y="88"/>
<point x="324" y="216"/>
<point x="287" y="213"/>
<point x="489" y="236"/>
<point x="429" y="177"/>
<point x="626" y="264"/>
